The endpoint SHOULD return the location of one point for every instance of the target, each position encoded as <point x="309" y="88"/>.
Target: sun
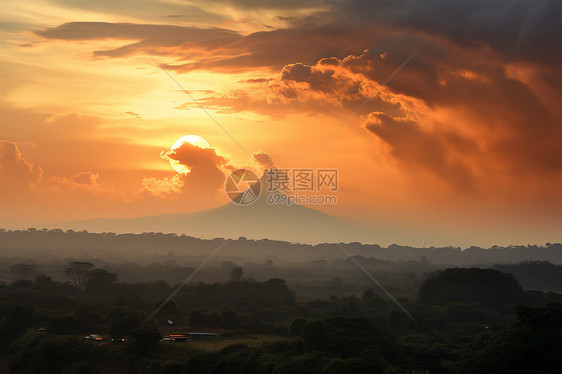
<point x="195" y="140"/>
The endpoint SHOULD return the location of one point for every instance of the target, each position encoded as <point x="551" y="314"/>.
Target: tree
<point x="351" y="337"/>
<point x="197" y="319"/>
<point x="14" y="324"/>
<point x="44" y="283"/>
<point x="532" y="345"/>
<point x="77" y="271"/>
<point x="230" y="320"/>
<point x="23" y="271"/>
<point x="214" y="320"/>
<point x="336" y="282"/>
<point x="297" y="326"/>
<point x="236" y="274"/>
<point x="368" y="294"/>
<point x="315" y="335"/>
<point x="487" y="287"/>
<point x="99" y="281"/>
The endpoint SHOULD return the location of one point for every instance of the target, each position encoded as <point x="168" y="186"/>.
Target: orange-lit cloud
<point x="495" y="123"/>
<point x="85" y="181"/>
<point x="218" y="49"/>
<point x="264" y="159"/>
<point x="443" y="152"/>
<point x="473" y="120"/>
<point x="206" y="172"/>
<point x="162" y="187"/>
<point x="16" y="174"/>
<point x="197" y="160"/>
<point x="338" y="59"/>
<point x="459" y="68"/>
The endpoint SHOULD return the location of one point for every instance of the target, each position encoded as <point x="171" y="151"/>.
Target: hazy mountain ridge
<point x="259" y="220"/>
<point x="58" y="243"/>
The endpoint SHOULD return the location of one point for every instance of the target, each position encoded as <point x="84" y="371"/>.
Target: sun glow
<point x="195" y="140"/>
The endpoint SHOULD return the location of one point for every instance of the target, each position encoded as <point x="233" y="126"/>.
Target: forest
<point x="94" y="315"/>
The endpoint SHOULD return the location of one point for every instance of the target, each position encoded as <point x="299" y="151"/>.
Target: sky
<point x="442" y="117"/>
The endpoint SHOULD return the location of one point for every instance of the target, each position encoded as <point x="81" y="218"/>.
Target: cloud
<point x="451" y="94"/>
<point x="205" y="172"/>
<point x="218" y="49"/>
<point x="163" y="187"/>
<point x="133" y="114"/>
<point x="525" y="30"/>
<point x="264" y="159"/>
<point x="85" y="181"/>
<point x="167" y="34"/>
<point x="16" y="174"/>
<point x="156" y="39"/>
<point x="143" y="9"/>
<point x="322" y="88"/>
<point x="196" y="159"/>
<point x="269" y="4"/>
<point x="441" y="151"/>
<point x="517" y="30"/>
<point x="478" y="101"/>
<point x="296" y="72"/>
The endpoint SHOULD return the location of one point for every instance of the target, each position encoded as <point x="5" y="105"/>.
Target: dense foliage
<point x="461" y="320"/>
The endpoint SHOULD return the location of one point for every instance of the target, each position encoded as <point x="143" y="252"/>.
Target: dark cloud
<point x="150" y="37"/>
<point x="465" y="52"/>
<point x="527" y="30"/>
<point x="519" y="30"/>
<point x="206" y="172"/>
<point x="501" y="116"/>
<point x="171" y="35"/>
<point x="296" y="72"/>
<point x="219" y="49"/>
<point x="269" y="4"/>
<point x="441" y="151"/>
<point x="277" y="48"/>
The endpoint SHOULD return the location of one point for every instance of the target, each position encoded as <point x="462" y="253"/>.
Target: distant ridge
<point x="259" y="220"/>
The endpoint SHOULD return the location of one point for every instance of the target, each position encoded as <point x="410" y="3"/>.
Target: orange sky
<point x="463" y="144"/>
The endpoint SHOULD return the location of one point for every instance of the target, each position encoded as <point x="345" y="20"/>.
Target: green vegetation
<point x="321" y="316"/>
<point x="464" y="320"/>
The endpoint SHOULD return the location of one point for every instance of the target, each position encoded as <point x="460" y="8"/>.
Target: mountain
<point x="294" y="223"/>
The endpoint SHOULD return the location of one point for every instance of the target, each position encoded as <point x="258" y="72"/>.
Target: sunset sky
<point x="464" y="143"/>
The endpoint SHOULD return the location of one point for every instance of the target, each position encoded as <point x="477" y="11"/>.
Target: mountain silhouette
<point x="256" y="220"/>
